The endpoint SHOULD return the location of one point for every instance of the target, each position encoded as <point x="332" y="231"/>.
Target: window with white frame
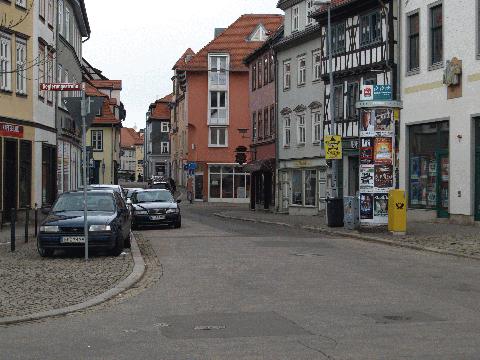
<point x="41" y="9"/>
<point x="21" y="62"/>
<point x="295" y="18"/>
<point x="66" y="79"/>
<point x="41" y="68"/>
<point x="260" y="125"/>
<point x="302" y="71"/>
<point x="338" y="38"/>
<point x="61" y="13"/>
<point x="67" y="24"/>
<point x="218" y="108"/>
<point x="50" y="12"/>
<point x="316" y="127"/>
<point x="301" y="134"/>
<point x="218" y="137"/>
<point x="97" y="140"/>
<point x="287" y="75"/>
<point x="218" y="69"/>
<point x="59" y="80"/>
<point x="165" y="127"/>
<point x="165" y="147"/>
<point x="304" y="187"/>
<point x="370" y="28"/>
<point x="317" y="65"/>
<point x="287" y="131"/>
<point x="22" y="3"/>
<point x="310" y="9"/>
<point x="5" y="62"/>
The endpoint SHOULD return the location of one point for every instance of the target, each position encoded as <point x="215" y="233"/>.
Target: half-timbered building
<point x="365" y="51"/>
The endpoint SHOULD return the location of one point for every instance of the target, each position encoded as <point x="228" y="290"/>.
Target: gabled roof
<point x="107" y="117"/>
<point x="183" y="58"/>
<point x="130" y="138"/>
<point x="160" y="109"/>
<point x="107" y="84"/>
<point x="271" y="41"/>
<point x="234" y="41"/>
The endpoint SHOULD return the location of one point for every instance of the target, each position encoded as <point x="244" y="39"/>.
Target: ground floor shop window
<point x="25" y="184"/>
<point x="304" y="187"/>
<point x="228" y="182"/>
<point x="429" y="166"/>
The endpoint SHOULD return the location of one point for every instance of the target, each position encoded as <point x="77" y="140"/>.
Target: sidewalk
<point x="5" y="234"/>
<point x="459" y="240"/>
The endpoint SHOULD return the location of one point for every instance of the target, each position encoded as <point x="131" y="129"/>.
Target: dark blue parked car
<point x="109" y="223"/>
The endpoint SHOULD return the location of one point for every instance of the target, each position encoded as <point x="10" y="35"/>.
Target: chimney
<point x="218" y="32"/>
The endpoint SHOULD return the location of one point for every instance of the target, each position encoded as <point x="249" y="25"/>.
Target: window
<point x="254" y="126"/>
<point x="50" y="65"/>
<point x="266" y="125"/>
<point x="228" y="182"/>
<point x="67" y="25"/>
<point x="353" y="94"/>
<point x="287" y="76"/>
<point x="302" y="71"/>
<point x="218" y="137"/>
<point x="254" y="76"/>
<point x="413" y="61"/>
<point x="97" y="140"/>
<point x="316" y="127"/>
<point x="60" y="16"/>
<point x="304" y="187"/>
<point x="165" y="127"/>
<point x="22" y="3"/>
<point x="65" y="79"/>
<point x="265" y="70"/>
<point x="50" y="12"/>
<point x="272" y="68"/>
<point x="370" y="29"/>
<point x="436" y="35"/>
<point x="260" y="73"/>
<point x="41" y="9"/>
<point x="310" y="187"/>
<point x="309" y="12"/>
<point x="218" y="69"/>
<point x="338" y="98"/>
<point x="317" y="65"/>
<point x="21" y="61"/>
<point x="5" y="62"/>
<point x="218" y="108"/>
<point x="59" y="80"/>
<point x="297" y="187"/>
<point x="295" y="18"/>
<point x="338" y="38"/>
<point x="41" y="68"/>
<point x="272" y="121"/>
<point x="260" y="125"/>
<point x="301" y="130"/>
<point x="165" y="147"/>
<point x="287" y="134"/>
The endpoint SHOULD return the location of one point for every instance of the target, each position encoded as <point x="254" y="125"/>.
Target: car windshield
<point x="153" y="196"/>
<point x="95" y="202"/>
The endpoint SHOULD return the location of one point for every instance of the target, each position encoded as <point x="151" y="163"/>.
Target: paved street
<point x="238" y="290"/>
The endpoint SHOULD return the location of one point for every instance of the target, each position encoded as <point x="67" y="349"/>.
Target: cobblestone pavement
<point x="31" y="284"/>
<point x="459" y="239"/>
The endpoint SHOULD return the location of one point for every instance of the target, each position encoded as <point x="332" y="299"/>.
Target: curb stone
<point x="125" y="284"/>
<point x="356" y="236"/>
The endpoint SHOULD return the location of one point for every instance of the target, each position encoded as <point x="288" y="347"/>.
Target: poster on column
<point x="366" y="151"/>
<point x="380" y="208"/>
<point x="367" y="178"/>
<point x="366" y="207"/>
<point x="384" y="122"/>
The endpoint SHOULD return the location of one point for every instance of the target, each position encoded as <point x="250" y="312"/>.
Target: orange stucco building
<point x="216" y="83"/>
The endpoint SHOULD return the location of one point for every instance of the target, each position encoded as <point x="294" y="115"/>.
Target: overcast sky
<point x="140" y="41"/>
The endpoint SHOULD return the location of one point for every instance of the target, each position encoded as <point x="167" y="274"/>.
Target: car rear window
<point x="153" y="196"/>
<point x="95" y="202"/>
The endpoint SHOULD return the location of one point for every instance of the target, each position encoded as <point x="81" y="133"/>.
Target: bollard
<point x="36" y="219"/>
<point x="13" y="218"/>
<point x="27" y="220"/>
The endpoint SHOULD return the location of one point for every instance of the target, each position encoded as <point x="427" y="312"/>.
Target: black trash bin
<point x="335" y="212"/>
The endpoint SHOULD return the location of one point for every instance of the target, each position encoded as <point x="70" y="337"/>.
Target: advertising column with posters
<point x="377" y="158"/>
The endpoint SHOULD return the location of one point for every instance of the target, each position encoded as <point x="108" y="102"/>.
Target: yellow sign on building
<point x="333" y="147"/>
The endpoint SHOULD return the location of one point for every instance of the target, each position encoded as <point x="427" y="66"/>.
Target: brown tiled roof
<point x="160" y="110"/>
<point x="129" y="138"/>
<point x="234" y="42"/>
<point x="107" y="115"/>
<point x="182" y="61"/>
<point x="107" y="84"/>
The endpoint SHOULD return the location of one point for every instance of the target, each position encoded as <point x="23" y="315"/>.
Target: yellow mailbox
<point x="397" y="211"/>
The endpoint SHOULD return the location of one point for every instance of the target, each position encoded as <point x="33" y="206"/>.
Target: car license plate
<point x="157" y="217"/>
<point x="73" y="240"/>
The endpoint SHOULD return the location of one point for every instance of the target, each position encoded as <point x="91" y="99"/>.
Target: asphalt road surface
<point x="236" y="290"/>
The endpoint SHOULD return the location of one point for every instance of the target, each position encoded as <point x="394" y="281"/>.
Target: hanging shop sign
<point x="11" y="130"/>
<point x="333" y="147"/>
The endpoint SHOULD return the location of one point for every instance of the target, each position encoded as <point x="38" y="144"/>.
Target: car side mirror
<point x="179" y="201"/>
<point x="46" y="210"/>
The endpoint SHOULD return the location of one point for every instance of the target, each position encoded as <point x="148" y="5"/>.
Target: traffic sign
<point x="74" y="107"/>
<point x="333" y="147"/>
<point x="61" y="87"/>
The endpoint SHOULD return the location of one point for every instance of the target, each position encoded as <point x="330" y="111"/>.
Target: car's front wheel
<point x="118" y="249"/>
<point x="126" y="241"/>
<point x="178" y="223"/>
<point x="44" y="252"/>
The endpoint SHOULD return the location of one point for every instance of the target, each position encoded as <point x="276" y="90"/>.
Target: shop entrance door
<point x="198" y="186"/>
<point x="10" y="177"/>
<point x="443" y="180"/>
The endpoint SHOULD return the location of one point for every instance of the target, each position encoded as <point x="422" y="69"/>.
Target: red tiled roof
<point x="129" y="138"/>
<point x="107" y="115"/>
<point x="93" y="91"/>
<point x="182" y="61"/>
<point x="234" y="42"/>
<point x="109" y="84"/>
<point x="160" y="110"/>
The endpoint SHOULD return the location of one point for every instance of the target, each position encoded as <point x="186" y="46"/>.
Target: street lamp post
<point x="331" y="108"/>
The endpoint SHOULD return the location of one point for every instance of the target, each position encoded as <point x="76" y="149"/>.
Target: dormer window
<point x="259" y="34"/>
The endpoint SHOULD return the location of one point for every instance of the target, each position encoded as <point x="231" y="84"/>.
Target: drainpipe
<point x="277" y="141"/>
<point x="112" y="164"/>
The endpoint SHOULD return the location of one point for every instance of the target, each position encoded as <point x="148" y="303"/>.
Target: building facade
<point x="217" y="85"/>
<point x="72" y="27"/>
<point x="262" y="101"/>
<point x="158" y="138"/>
<point x="365" y="51"/>
<point x="131" y="155"/>
<point x="301" y="169"/>
<point x="440" y="122"/>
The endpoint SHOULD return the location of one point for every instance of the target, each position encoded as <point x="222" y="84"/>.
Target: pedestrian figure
<point x="190" y="190"/>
